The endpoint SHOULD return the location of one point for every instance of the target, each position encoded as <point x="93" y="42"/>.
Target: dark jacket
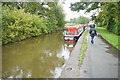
<point x="92" y="26"/>
<point x="93" y="30"/>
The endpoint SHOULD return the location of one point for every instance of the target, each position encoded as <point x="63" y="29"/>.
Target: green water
<point x="39" y="57"/>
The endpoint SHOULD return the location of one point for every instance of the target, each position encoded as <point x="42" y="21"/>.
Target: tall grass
<point x="83" y="48"/>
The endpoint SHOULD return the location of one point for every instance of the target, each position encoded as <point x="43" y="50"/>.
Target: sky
<point x="73" y="14"/>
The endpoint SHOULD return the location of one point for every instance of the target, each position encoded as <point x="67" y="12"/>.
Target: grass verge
<point x="109" y="37"/>
<point x="83" y="48"/>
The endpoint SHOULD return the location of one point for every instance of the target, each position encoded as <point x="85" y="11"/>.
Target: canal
<point x="38" y="57"/>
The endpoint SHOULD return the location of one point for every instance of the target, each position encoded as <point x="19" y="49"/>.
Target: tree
<point x="107" y="17"/>
<point x="22" y="20"/>
<point x="80" y="20"/>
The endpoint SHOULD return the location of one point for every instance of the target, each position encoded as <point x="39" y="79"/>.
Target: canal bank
<point x="71" y="68"/>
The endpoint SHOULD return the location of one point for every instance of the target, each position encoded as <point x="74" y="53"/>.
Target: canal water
<point x="38" y="57"/>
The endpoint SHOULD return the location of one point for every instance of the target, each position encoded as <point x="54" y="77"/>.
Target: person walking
<point x="92" y="33"/>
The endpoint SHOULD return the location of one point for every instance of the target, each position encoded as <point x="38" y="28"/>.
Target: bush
<point x="18" y="25"/>
<point x="115" y="30"/>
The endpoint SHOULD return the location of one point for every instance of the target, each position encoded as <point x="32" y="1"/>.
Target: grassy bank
<point x="109" y="37"/>
<point x="83" y="48"/>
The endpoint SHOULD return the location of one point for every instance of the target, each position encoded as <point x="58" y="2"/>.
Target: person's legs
<point x="92" y="41"/>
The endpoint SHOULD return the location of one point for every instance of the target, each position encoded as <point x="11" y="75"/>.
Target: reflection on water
<point x="39" y="57"/>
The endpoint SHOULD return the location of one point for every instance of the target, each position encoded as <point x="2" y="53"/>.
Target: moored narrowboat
<point x="72" y="34"/>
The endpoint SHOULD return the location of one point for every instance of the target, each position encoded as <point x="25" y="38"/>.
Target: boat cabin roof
<point x="72" y="29"/>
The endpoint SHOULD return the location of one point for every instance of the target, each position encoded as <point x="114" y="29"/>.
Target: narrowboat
<point x="72" y="34"/>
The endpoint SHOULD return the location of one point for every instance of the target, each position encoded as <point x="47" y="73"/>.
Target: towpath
<point x="101" y="61"/>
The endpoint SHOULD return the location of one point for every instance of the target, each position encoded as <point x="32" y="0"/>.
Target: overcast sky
<point x="70" y="14"/>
